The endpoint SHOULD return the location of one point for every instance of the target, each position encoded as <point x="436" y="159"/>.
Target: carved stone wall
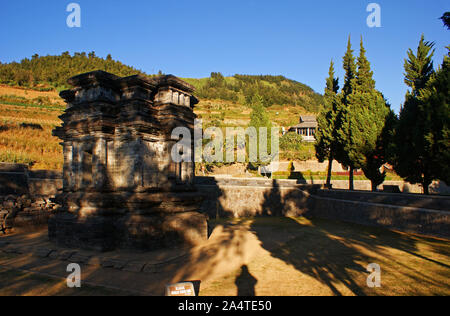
<point x="121" y="187"/>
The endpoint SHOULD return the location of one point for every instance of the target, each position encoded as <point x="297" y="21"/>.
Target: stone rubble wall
<point x="26" y="196"/>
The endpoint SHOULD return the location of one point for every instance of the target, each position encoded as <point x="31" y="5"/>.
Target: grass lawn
<point x="299" y="256"/>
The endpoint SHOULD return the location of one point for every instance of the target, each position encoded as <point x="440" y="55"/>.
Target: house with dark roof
<point x="307" y="128"/>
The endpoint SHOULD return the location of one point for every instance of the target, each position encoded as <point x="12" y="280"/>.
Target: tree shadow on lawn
<point x="332" y="252"/>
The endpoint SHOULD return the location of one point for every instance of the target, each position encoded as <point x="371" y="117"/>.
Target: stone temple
<point x="121" y="187"/>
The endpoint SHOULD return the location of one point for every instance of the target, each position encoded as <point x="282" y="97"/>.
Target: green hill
<point x="45" y="73"/>
<point x="275" y="90"/>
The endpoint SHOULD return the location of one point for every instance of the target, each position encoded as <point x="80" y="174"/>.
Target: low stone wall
<point x="437" y="187"/>
<point x="44" y="182"/>
<point x="439" y="203"/>
<point x="16" y="179"/>
<point x="403" y="218"/>
<point x="26" y="196"/>
<point x="428" y="215"/>
<point x="240" y="202"/>
<point x="13" y="179"/>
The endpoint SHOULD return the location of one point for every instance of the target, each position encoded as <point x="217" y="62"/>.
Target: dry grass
<point x="298" y="256"/>
<point x="35" y="147"/>
<point x="263" y="257"/>
<point x="41" y="150"/>
<point x="30" y="94"/>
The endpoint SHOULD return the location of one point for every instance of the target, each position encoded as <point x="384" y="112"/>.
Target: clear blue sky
<point x="294" y="38"/>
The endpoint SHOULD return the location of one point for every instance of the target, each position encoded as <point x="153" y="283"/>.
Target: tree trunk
<point x="426" y="187"/>
<point x="351" y="186"/>
<point x="374" y="186"/>
<point x="330" y="170"/>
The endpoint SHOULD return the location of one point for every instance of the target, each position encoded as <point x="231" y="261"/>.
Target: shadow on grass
<point x="330" y="251"/>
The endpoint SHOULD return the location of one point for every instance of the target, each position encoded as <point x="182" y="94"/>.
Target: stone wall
<point x="231" y="197"/>
<point x="239" y="200"/>
<point x="402" y="218"/>
<point x="235" y="198"/>
<point x="26" y="196"/>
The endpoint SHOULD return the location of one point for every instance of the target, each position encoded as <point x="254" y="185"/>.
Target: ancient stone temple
<point x="121" y="187"/>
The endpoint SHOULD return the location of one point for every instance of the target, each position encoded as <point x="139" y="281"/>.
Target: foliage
<point x="55" y="70"/>
<point x="291" y="142"/>
<point x="343" y="131"/>
<point x="274" y="90"/>
<point x="259" y="119"/>
<point x="47" y="72"/>
<point x="419" y="66"/>
<point x="446" y="19"/>
<point x="368" y="113"/>
<point x="422" y="135"/>
<point x="327" y="122"/>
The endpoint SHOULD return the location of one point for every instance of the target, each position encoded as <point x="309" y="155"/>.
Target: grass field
<point x="299" y="256"/>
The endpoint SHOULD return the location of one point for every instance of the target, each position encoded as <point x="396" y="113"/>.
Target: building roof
<point x="306" y="121"/>
<point x="305" y="125"/>
<point x="308" y="118"/>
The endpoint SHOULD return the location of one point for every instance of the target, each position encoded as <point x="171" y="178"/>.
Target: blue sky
<point x="193" y="38"/>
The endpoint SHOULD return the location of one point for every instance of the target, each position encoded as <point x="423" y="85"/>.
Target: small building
<point x="307" y="128"/>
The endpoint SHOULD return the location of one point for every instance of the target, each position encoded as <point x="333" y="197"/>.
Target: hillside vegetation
<point x="275" y="90"/>
<point x="30" y="104"/>
<point x="51" y="72"/>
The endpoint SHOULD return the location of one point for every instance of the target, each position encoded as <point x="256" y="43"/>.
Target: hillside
<point x="51" y="72"/>
<point x="46" y="73"/>
<point x="275" y="90"/>
<point x="30" y="104"/>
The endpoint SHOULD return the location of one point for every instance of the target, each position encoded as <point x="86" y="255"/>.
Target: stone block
<point x="134" y="267"/>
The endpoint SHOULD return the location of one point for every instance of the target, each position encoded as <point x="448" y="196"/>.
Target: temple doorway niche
<point x="86" y="167"/>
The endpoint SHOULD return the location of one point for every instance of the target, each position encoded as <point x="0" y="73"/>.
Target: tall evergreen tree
<point x="367" y="113"/>
<point x="327" y="119"/>
<point x="413" y="145"/>
<point x="434" y="104"/>
<point x="446" y="19"/>
<point x="343" y="128"/>
<point x="419" y="67"/>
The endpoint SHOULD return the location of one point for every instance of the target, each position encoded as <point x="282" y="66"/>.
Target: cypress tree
<point x="413" y="140"/>
<point x="343" y="128"/>
<point x="446" y="19"/>
<point x="434" y="104"/>
<point x="368" y="111"/>
<point x="326" y="133"/>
